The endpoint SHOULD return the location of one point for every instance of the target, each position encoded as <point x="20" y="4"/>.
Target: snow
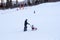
<point x="46" y="19"/>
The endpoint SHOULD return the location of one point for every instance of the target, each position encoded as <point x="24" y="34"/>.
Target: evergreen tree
<point x="10" y="4"/>
<point x="29" y="2"/>
<point x="2" y="3"/>
<point x="7" y="4"/>
<point x="16" y="2"/>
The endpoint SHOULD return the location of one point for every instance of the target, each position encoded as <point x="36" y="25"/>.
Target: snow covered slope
<point x="46" y="19"/>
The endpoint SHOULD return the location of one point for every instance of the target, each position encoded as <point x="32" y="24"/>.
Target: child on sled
<point x="33" y="28"/>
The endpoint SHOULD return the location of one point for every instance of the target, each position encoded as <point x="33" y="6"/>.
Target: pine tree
<point x="29" y="2"/>
<point x="10" y="4"/>
<point x="16" y="2"/>
<point x="7" y="4"/>
<point x="2" y="3"/>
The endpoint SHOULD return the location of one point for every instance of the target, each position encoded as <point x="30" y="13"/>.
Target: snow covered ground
<point x="46" y="19"/>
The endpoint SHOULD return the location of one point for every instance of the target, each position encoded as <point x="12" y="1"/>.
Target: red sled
<point x="33" y="28"/>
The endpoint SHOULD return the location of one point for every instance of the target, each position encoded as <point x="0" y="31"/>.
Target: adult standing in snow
<point x="25" y="25"/>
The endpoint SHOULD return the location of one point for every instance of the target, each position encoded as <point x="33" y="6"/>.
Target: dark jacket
<point x="25" y="24"/>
